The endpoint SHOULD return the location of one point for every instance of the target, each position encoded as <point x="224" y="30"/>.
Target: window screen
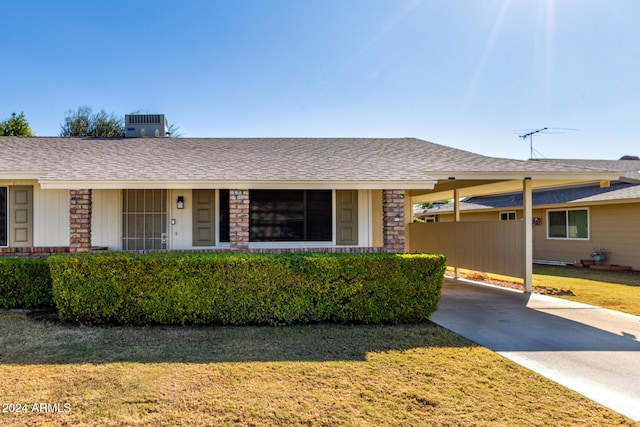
<point x="568" y="224"/>
<point x="578" y="225"/>
<point x="290" y="215"/>
<point x="144" y="219"/>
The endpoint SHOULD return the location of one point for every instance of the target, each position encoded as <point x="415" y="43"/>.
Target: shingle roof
<point x="572" y="195"/>
<point x="248" y="159"/>
<point x="630" y="168"/>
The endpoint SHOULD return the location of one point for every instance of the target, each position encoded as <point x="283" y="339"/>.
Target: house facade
<point x="238" y="194"/>
<point x="144" y="194"/>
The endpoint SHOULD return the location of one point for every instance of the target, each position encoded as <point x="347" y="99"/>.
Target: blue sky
<point x="470" y="74"/>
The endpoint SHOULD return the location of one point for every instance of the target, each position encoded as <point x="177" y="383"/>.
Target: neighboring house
<point x="570" y="223"/>
<point x="241" y="194"/>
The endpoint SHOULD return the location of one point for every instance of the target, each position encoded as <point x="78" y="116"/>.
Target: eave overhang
<point x="241" y="185"/>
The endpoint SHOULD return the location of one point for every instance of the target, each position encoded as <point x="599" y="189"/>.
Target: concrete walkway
<point x="589" y="349"/>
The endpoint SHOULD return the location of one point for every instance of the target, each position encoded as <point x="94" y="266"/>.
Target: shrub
<point x="25" y="283"/>
<point x="240" y="288"/>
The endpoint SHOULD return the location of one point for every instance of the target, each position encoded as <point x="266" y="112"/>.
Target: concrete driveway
<point x="589" y="349"/>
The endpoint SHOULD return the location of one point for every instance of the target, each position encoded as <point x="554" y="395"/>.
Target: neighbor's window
<point x="507" y="216"/>
<point x="3" y="216"/>
<point x="290" y="215"/>
<point x="568" y="224"/>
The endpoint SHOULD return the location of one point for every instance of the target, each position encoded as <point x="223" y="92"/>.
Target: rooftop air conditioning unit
<point x="145" y="125"/>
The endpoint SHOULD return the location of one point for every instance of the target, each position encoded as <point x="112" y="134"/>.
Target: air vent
<point x="140" y="125"/>
<point x="143" y="119"/>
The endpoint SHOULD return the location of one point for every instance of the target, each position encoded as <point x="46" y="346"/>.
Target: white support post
<point x="527" y="210"/>
<point x="456" y="218"/>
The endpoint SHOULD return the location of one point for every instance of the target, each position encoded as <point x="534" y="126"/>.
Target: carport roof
<point x="630" y="169"/>
<point x="574" y="195"/>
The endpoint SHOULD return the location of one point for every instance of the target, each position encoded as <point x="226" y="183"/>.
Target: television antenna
<point x="542" y="130"/>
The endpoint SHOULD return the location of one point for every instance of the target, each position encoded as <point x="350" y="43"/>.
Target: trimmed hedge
<point x="241" y="289"/>
<point x="25" y="283"/>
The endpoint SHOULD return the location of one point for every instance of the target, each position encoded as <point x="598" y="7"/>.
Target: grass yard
<point x="325" y="375"/>
<point x="609" y="289"/>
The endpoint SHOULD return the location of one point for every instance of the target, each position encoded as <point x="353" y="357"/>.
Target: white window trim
<point x="581" y="239"/>
<point x="290" y="245"/>
<point x="216" y="225"/>
<point x="515" y="215"/>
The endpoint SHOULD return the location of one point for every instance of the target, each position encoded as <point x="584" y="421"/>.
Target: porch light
<point x="180" y="202"/>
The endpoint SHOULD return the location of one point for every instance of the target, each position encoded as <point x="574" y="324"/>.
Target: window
<point x="3" y="216"/>
<point x="568" y="224"/>
<point x="223" y="222"/>
<point x="144" y="219"/>
<point x="290" y="215"/>
<point x="508" y="216"/>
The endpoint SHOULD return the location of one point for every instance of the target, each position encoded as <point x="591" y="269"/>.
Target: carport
<point x="500" y="247"/>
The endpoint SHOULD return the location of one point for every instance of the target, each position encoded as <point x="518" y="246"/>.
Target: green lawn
<point x="324" y="375"/>
<point x="609" y="289"/>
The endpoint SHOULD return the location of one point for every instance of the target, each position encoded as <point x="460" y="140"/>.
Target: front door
<point x="347" y="217"/>
<point x="21" y="216"/>
<point x="203" y="218"/>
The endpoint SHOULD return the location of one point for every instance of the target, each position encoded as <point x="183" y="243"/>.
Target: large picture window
<point x="290" y="215"/>
<point x="568" y="224"/>
<point x="144" y="219"/>
<point x="3" y="216"/>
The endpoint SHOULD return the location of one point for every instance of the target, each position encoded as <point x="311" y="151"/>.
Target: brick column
<point x="80" y="220"/>
<point x="393" y="226"/>
<point x="239" y="220"/>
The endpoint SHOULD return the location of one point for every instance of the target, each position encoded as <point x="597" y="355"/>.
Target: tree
<point x="174" y="131"/>
<point x="16" y="125"/>
<point x="83" y="122"/>
<point x="431" y="205"/>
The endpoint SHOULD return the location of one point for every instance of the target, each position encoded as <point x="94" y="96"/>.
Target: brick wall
<point x="393" y="225"/>
<point x="33" y="252"/>
<point x="239" y="220"/>
<point x="80" y="220"/>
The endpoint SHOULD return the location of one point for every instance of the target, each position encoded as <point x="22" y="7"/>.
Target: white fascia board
<point x="520" y="175"/>
<point x="16" y="175"/>
<point x="240" y="185"/>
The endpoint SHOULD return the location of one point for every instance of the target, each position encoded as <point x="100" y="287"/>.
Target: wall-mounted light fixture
<point x="180" y="202"/>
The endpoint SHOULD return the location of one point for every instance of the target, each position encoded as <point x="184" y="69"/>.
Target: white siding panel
<point x="180" y="233"/>
<point x="106" y="224"/>
<point x="364" y="218"/>
<point x="50" y="217"/>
